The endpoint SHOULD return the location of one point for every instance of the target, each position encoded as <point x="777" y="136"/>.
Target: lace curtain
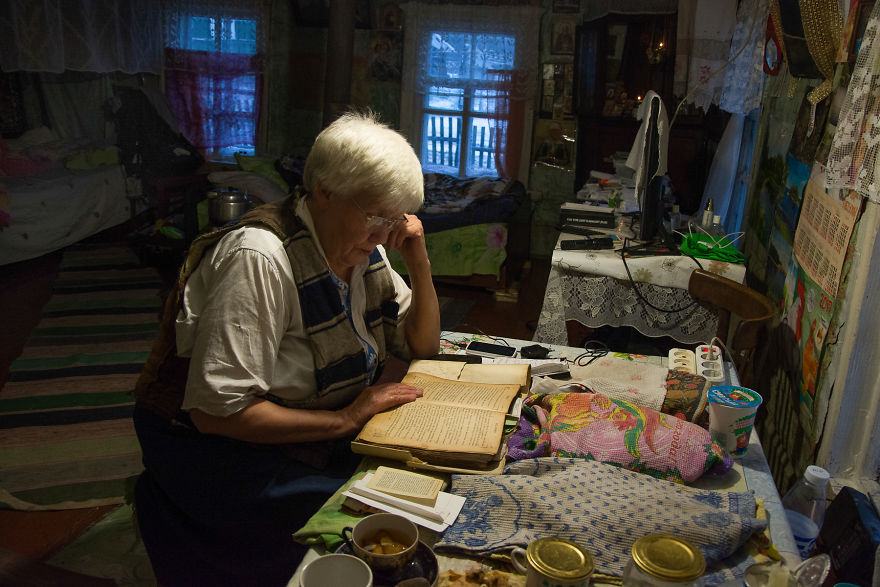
<point x="522" y="21"/>
<point x="709" y="43"/>
<point x="213" y="75"/>
<point x="853" y="160"/>
<point x="80" y="35"/>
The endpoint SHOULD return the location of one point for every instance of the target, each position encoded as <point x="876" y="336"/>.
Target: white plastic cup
<point x="805" y="532"/>
<point x="732" y="412"/>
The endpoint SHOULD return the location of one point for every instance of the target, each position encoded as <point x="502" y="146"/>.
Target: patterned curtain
<point x="508" y="116"/>
<point x="214" y="53"/>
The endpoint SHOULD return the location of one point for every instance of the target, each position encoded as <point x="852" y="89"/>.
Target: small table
<point x="751" y="472"/>
<point x="648" y="293"/>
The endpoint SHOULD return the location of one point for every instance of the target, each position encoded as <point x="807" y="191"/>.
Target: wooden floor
<point x="29" y="537"/>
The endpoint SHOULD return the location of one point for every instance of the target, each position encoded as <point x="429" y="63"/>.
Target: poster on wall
<point x="823" y="232"/>
<point x="784" y="222"/>
<point x="807" y="310"/>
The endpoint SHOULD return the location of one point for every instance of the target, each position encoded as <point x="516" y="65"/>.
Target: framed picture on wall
<point x="387" y="16"/>
<point x="562" y="36"/>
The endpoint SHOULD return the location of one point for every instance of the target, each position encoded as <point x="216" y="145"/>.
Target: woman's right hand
<point x="377" y="398"/>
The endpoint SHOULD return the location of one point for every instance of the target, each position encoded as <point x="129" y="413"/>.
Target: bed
<point x="476" y="229"/>
<point x="55" y="193"/>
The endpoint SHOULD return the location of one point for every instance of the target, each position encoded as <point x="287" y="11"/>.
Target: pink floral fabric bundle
<point x="617" y="432"/>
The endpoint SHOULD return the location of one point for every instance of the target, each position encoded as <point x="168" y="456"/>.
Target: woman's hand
<point x="409" y="239"/>
<point x="377" y="398"/>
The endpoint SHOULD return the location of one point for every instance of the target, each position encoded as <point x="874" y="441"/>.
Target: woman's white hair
<point x="358" y="155"/>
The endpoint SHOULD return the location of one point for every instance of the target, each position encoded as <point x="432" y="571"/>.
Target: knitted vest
<point x="340" y="361"/>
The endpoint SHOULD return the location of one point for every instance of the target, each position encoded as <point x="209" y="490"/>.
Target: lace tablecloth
<point x="595" y="289"/>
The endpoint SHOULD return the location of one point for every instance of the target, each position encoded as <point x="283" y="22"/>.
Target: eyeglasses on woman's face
<point x="379" y="222"/>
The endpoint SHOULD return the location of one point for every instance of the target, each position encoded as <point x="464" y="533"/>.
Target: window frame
<point x="469" y="88"/>
<point x="520" y="22"/>
<point x="178" y="31"/>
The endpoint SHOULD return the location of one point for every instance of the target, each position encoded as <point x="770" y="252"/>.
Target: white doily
<point x="601" y="301"/>
<point x="852" y="162"/>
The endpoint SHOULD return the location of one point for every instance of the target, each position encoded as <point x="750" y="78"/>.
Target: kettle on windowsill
<point x="226" y="206"/>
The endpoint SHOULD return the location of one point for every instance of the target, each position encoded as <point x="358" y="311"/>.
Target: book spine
<point x="587" y="220"/>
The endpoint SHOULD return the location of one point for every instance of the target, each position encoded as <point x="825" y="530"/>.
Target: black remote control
<point x="591" y="244"/>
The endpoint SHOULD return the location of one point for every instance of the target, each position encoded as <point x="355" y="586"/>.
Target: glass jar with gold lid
<point x="664" y="560"/>
<point x="554" y="562"/>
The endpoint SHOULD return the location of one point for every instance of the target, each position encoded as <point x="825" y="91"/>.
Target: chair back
<point x="753" y="312"/>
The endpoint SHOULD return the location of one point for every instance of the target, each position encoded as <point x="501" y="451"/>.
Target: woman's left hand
<point x="409" y="239"/>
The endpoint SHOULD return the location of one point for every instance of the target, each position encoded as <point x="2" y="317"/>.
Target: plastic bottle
<point x="675" y="218"/>
<point x="805" y="508"/>
<point x="708" y="214"/>
<point x="717" y="228"/>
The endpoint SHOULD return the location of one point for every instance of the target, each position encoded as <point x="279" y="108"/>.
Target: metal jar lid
<point x="668" y="557"/>
<point x="560" y="559"/>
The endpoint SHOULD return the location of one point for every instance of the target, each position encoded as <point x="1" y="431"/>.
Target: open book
<point x="456" y="425"/>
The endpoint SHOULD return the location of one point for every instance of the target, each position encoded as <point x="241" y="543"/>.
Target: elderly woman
<point x="266" y="366"/>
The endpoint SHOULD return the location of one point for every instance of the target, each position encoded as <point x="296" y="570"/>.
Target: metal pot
<point x="226" y="206"/>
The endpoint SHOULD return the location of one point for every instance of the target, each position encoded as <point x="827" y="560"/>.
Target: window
<point x="469" y="77"/>
<point x="213" y="77"/>
<point x="460" y="123"/>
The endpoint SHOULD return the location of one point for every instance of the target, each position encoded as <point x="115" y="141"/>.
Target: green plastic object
<point x="718" y="248"/>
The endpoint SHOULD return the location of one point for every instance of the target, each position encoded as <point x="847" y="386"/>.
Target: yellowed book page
<point x="406" y="484"/>
<point x="443" y="369"/>
<point x="483" y="396"/>
<point x="473" y="372"/>
<point x="437" y="427"/>
<point x="489" y="373"/>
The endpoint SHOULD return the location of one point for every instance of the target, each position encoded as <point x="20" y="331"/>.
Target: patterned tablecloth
<point x="750" y="473"/>
<point x="601" y="288"/>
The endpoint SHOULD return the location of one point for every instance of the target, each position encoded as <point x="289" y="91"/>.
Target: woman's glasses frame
<point x="379" y="222"/>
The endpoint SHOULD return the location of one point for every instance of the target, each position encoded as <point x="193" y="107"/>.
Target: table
<point x="595" y="288"/>
<point x="750" y="473"/>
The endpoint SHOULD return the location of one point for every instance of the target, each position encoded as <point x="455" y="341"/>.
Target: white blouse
<point x="242" y="327"/>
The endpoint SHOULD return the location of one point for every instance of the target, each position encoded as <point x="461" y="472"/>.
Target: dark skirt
<point x="216" y="511"/>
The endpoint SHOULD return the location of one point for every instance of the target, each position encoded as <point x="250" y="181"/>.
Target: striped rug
<point x="66" y="436"/>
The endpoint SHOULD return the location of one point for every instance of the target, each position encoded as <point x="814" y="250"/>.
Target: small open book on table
<point x="415" y="496"/>
<point x="457" y="425"/>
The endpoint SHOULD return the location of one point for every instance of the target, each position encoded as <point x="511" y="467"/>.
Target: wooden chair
<point x="753" y="313"/>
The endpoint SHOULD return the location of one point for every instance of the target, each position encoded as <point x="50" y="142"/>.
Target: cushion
<point x="617" y="432"/>
<point x="264" y="166"/>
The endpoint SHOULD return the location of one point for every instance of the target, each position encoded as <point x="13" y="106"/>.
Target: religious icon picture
<point x="562" y="37"/>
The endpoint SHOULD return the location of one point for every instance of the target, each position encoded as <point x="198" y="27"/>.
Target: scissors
<point x="593" y="349"/>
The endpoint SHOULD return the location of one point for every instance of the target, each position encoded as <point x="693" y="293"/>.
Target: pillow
<point x="16" y="164"/>
<point x="252" y="184"/>
<point x="33" y="137"/>
<point x="264" y="166"/>
<point x="616" y="432"/>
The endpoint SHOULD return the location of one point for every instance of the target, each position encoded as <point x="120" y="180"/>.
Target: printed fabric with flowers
<point x="616" y="432"/>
